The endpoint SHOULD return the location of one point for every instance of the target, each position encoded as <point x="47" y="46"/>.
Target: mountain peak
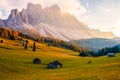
<point x="14" y="14"/>
<point x="24" y="16"/>
<point x="55" y="7"/>
<point x="49" y="22"/>
<point x="15" y="11"/>
<point x="31" y="5"/>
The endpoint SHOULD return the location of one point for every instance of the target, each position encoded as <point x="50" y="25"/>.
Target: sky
<point x="97" y="14"/>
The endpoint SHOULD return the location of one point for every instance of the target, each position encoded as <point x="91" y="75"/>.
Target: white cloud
<point x="116" y="30"/>
<point x="0" y="14"/>
<point x="104" y="16"/>
<point x="67" y="6"/>
<point x="70" y="6"/>
<point x="3" y="5"/>
<point x="73" y="7"/>
<point x="118" y="23"/>
<point x="5" y="8"/>
<point x="103" y="9"/>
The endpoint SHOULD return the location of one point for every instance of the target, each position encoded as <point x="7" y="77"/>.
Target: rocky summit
<point x="50" y="22"/>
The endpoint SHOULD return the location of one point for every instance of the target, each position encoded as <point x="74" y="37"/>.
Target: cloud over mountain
<point x="50" y="22"/>
<point x="65" y="5"/>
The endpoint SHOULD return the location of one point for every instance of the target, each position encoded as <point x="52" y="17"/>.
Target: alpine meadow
<point x="60" y="40"/>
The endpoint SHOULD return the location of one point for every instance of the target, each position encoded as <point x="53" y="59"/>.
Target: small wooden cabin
<point x="37" y="61"/>
<point x="111" y="54"/>
<point x="54" y="65"/>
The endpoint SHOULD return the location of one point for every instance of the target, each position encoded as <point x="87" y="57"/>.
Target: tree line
<point x="8" y="33"/>
<point x="59" y="43"/>
<point x="13" y="35"/>
<point x="100" y="52"/>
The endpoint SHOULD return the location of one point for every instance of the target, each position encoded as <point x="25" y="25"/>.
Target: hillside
<point x="16" y="64"/>
<point x="50" y="22"/>
<point x="97" y="43"/>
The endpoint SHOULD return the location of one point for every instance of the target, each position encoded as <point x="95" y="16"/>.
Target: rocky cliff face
<point x="49" y="22"/>
<point x="1" y="23"/>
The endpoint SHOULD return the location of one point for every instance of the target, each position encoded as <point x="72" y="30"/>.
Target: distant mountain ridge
<point x="97" y="43"/>
<point x="50" y="22"/>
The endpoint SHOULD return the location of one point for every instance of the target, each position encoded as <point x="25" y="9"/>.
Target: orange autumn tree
<point x="8" y="33"/>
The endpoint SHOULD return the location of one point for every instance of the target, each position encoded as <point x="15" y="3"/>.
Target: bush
<point x="1" y="41"/>
<point x="48" y="44"/>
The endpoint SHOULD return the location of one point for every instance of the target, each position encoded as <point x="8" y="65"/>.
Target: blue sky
<point x="98" y="14"/>
<point x="102" y="14"/>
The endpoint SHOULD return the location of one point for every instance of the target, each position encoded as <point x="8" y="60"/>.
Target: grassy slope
<point x="16" y="64"/>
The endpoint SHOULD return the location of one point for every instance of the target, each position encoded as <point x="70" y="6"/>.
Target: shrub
<point x="48" y="44"/>
<point x="1" y="41"/>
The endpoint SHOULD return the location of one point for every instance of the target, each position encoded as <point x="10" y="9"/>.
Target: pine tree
<point x="83" y="53"/>
<point x="34" y="47"/>
<point x="26" y="46"/>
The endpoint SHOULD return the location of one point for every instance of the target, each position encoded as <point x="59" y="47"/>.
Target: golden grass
<point x="16" y="64"/>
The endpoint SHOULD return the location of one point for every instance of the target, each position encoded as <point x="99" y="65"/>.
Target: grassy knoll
<point x="16" y="64"/>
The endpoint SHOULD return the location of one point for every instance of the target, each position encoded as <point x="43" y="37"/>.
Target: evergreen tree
<point x="26" y="41"/>
<point x="26" y="46"/>
<point x="34" y="47"/>
<point x="83" y="53"/>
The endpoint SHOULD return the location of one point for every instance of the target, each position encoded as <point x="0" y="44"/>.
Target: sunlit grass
<point x="16" y="64"/>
